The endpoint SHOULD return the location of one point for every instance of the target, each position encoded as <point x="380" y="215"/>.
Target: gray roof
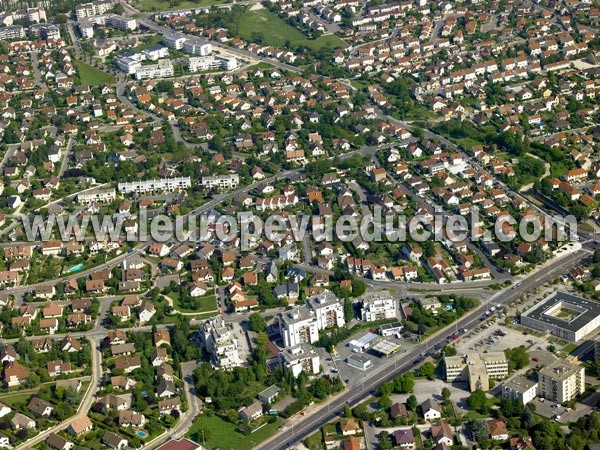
<point x="584" y="311"/>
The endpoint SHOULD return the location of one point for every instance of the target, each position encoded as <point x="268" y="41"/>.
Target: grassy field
<point x="148" y="42"/>
<point x="278" y="31"/>
<point x="207" y="303"/>
<point x="222" y="434"/>
<point x="166" y="5"/>
<point x="92" y="76"/>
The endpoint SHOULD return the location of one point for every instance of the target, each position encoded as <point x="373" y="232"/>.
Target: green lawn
<point x="12" y="400"/>
<point x="208" y="303"/>
<point x="222" y="434"/>
<point x="166" y="5"/>
<point x="149" y="42"/>
<point x="92" y="76"/>
<point x="276" y="31"/>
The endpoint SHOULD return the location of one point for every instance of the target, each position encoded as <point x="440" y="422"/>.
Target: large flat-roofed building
<point x="161" y="185"/>
<point x="561" y="381"/>
<point x="476" y="369"/>
<point x="328" y="310"/>
<point x="300" y="358"/>
<point x="378" y="306"/>
<point x="298" y="326"/>
<point x="519" y="388"/>
<point x="566" y="316"/>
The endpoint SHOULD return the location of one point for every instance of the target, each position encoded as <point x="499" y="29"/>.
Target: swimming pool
<point x="76" y="268"/>
<point x="141" y="434"/>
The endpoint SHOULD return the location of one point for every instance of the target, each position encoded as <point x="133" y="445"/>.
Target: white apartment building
<point x="162" y="69"/>
<point x="300" y="358"/>
<point x="174" y="41"/>
<point x="222" y="344"/>
<point x="561" y="381"/>
<point x="229" y="181"/>
<point x="328" y="310"/>
<point x="97" y="195"/>
<point x="298" y="326"/>
<point x="211" y="62"/>
<point x="519" y="388"/>
<point x="160" y="185"/>
<point x="93" y="9"/>
<point x="202" y="63"/>
<point x="196" y="47"/>
<point x="12" y="32"/>
<point x="121" y="22"/>
<point x="35" y="15"/>
<point x="476" y="369"/>
<point x="378" y="306"/>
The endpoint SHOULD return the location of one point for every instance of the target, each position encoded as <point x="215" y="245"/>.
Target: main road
<point x="404" y="362"/>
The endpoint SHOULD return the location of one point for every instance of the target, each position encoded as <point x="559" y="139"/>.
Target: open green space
<point x="92" y="76"/>
<point x="207" y="303"/>
<point x="276" y="31"/>
<point x="167" y="5"/>
<point x="222" y="434"/>
<point x="148" y="42"/>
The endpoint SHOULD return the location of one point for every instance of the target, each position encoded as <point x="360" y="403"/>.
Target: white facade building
<point x="162" y="184"/>
<point x="298" y="326"/>
<point x="378" y="306"/>
<point x="328" y="310"/>
<point x="300" y="358"/>
<point x="229" y="181"/>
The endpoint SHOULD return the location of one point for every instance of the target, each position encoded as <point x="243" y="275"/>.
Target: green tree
<point x="348" y="310"/>
<point x="427" y="370"/>
<point x="479" y="430"/>
<point x="517" y="357"/>
<point x="384" y="402"/>
<point x="347" y="412"/>
<point x="256" y="322"/>
<point x="411" y="403"/>
<point x="446" y="393"/>
<point x="477" y="401"/>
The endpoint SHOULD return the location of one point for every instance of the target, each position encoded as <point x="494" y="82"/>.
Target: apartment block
<point x="221" y="344"/>
<point x="221" y="182"/>
<point x="300" y="358"/>
<point x="160" y="185"/>
<point x="298" y="326"/>
<point x="519" y="388"/>
<point x="378" y="306"/>
<point x="328" y="310"/>
<point x="561" y="381"/>
<point x="97" y="195"/>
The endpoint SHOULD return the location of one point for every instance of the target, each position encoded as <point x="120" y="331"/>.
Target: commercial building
<point x="566" y="316"/>
<point x="221" y="182"/>
<point x="298" y="326"/>
<point x="519" y="388"/>
<point x="561" y="381"/>
<point x="359" y="361"/>
<point x="160" y="185"/>
<point x="363" y="343"/>
<point x="328" y="310"/>
<point x="378" y="306"/>
<point x="476" y="369"/>
<point x="97" y="195"/>
<point x="300" y="358"/>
